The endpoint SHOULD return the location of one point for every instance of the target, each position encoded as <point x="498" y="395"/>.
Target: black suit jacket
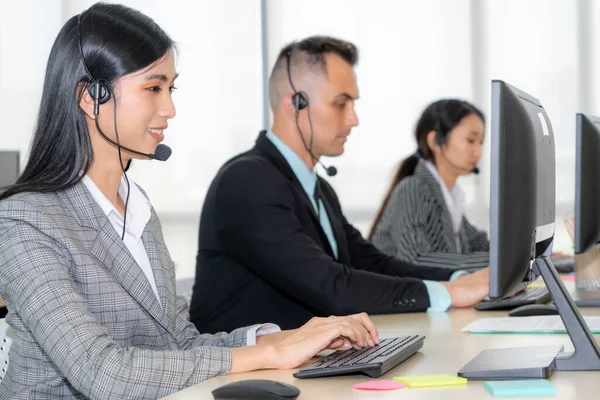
<point x="263" y="256"/>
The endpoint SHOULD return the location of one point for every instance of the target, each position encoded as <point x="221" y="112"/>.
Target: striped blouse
<point x="416" y="226"/>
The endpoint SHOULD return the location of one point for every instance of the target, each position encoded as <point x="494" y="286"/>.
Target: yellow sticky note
<point x="536" y="284"/>
<point x="430" y="380"/>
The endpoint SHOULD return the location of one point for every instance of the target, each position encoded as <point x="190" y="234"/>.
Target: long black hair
<point x="441" y="116"/>
<point x="116" y="41"/>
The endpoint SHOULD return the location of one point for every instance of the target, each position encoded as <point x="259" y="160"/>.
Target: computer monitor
<point x="522" y="209"/>
<point x="587" y="183"/>
<point x="587" y="213"/>
<point x="9" y="168"/>
<point x="521" y="235"/>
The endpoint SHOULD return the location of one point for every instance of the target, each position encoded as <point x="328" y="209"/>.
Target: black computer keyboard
<point x="527" y="296"/>
<point x="588" y="285"/>
<point x="374" y="361"/>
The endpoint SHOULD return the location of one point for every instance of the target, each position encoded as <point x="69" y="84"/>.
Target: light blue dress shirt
<point x="439" y="298"/>
<point x="308" y="180"/>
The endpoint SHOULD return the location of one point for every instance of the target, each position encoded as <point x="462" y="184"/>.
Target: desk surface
<point x="445" y="351"/>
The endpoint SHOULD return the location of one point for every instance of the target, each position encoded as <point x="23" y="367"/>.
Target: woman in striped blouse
<point x="422" y="217"/>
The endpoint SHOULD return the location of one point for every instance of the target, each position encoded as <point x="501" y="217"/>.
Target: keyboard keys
<point x="374" y="361"/>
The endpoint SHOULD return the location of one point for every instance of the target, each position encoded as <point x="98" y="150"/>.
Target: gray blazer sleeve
<point x="38" y="288"/>
<point x="189" y="337"/>
<point x="409" y="231"/>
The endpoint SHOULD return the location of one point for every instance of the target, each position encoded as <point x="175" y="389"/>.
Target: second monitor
<point x="586" y="235"/>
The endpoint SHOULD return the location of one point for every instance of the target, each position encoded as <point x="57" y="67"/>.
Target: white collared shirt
<point x="138" y="216"/>
<point x="455" y="201"/>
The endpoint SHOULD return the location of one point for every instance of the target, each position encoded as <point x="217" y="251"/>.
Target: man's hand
<point x="470" y="289"/>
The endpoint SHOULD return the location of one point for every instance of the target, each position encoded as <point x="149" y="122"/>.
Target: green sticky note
<point x="528" y="387"/>
<point x="430" y="380"/>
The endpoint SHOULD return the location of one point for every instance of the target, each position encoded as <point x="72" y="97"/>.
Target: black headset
<point x="101" y="92"/>
<point x="440" y="138"/>
<point x="99" y="89"/>
<point x="300" y="101"/>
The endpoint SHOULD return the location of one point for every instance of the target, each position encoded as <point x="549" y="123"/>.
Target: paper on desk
<point x="537" y="324"/>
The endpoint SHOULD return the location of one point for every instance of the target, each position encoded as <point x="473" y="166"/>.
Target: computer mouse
<point x="564" y="265"/>
<point x="256" y="389"/>
<point x="531" y="310"/>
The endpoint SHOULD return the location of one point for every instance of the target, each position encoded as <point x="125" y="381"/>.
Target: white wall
<point x="25" y="41"/>
<point x="533" y="45"/>
<point x="591" y="54"/>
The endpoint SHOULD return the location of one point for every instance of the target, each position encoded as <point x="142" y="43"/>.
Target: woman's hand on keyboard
<point x="338" y="333"/>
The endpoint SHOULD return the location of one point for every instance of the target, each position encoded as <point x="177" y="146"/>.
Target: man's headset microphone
<point x="300" y="101"/>
<point x="101" y="91"/>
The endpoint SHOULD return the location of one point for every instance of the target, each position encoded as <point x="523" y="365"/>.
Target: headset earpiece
<point x="99" y="91"/>
<point x="97" y="88"/>
<point x="440" y="139"/>
<point x="299" y="101"/>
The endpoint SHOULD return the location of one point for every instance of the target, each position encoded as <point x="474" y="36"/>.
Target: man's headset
<point x="300" y="101"/>
<point x="101" y="91"/>
<point x="440" y="139"/>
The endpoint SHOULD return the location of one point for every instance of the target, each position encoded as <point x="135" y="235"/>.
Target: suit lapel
<point x="162" y="267"/>
<point x="307" y="203"/>
<point x="264" y="145"/>
<point x="110" y="250"/>
<point x="268" y="149"/>
<point x="316" y="221"/>
<point x="447" y="230"/>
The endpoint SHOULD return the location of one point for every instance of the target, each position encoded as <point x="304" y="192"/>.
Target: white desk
<point x="445" y="351"/>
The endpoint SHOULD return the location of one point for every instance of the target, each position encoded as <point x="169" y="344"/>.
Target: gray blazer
<point x="416" y="226"/>
<point x="85" y="320"/>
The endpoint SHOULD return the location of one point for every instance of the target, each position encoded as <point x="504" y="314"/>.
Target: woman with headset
<point x="85" y="272"/>
<point x="422" y="218"/>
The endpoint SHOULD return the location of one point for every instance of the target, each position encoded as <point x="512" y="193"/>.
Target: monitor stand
<point x="541" y="361"/>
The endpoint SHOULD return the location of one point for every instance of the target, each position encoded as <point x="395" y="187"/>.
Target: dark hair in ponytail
<point x="441" y="117"/>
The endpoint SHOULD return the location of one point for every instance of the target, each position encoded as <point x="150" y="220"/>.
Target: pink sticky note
<point x="568" y="278"/>
<point x="379" y="385"/>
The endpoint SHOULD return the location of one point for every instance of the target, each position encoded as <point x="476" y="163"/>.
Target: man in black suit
<point x="274" y="245"/>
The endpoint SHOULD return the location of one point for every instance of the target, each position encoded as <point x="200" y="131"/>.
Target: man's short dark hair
<point x="308" y="54"/>
<point x="313" y="50"/>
